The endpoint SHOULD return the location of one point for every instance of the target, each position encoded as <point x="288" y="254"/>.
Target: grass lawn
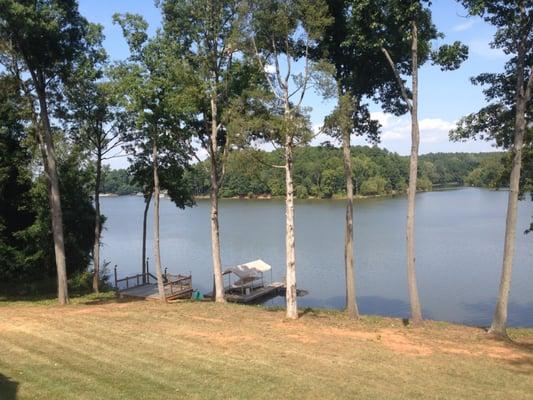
<point x="104" y="349"/>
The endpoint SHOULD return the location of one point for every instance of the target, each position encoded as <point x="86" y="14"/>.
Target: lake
<point x="459" y="242"/>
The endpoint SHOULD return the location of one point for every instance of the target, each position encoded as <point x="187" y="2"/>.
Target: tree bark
<point x="215" y="232"/>
<point x="499" y="320"/>
<point x="97" y="224"/>
<point x="290" y="257"/>
<point x="50" y="168"/>
<point x="351" y="304"/>
<point x="157" y="250"/>
<point x="416" y="311"/>
<point x="145" y="217"/>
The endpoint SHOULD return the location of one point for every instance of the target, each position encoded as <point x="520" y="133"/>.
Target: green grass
<point x="99" y="348"/>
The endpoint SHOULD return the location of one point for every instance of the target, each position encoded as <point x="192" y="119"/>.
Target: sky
<point x="444" y="97"/>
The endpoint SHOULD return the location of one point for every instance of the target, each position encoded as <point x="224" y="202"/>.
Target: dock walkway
<point x="176" y="286"/>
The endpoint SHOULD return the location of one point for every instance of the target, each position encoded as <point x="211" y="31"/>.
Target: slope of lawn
<point x="104" y="349"/>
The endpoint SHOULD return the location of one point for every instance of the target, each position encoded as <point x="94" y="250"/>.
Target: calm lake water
<point x="459" y="236"/>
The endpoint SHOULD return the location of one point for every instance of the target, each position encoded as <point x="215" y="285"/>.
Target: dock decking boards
<point x="271" y="289"/>
<point x="150" y="292"/>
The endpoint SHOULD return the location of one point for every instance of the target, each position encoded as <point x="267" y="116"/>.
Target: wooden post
<point x="147" y="271"/>
<point x="116" y="284"/>
<point x="137" y="279"/>
<point x="214" y="292"/>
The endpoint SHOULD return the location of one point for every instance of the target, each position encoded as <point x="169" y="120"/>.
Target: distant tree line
<point x="318" y="173"/>
<point x="118" y="181"/>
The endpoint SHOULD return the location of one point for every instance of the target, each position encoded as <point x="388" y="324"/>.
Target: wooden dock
<point x="144" y="286"/>
<point x="257" y="294"/>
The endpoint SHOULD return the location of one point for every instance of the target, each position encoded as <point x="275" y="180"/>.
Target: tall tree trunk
<point x="145" y="217"/>
<point x="499" y="320"/>
<point x="50" y="168"/>
<point x="215" y="232"/>
<point x="157" y="251"/>
<point x="290" y="257"/>
<point x="97" y="224"/>
<point x="351" y="304"/>
<point x="416" y="311"/>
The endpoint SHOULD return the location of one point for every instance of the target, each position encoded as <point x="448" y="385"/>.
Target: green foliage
<point x="27" y="249"/>
<point x="78" y="221"/>
<point x="373" y="186"/>
<point x="318" y="172"/>
<point x="118" y="181"/>
<point x="48" y="34"/>
<point x="450" y="56"/>
<point x="154" y="83"/>
<point x="16" y="213"/>
<point x="497" y="121"/>
<point x="491" y="172"/>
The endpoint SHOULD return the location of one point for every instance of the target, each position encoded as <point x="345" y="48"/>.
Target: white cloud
<point x="270" y="69"/>
<point x="464" y="26"/>
<point x="396" y="135"/>
<point x="383" y="118"/>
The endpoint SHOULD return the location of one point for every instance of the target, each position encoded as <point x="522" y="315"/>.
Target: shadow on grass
<point x="45" y="291"/>
<point x="8" y="388"/>
<point x="105" y="299"/>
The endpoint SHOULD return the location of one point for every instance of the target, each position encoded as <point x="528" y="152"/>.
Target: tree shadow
<point x="8" y="388"/>
<point x="368" y="305"/>
<point x="101" y="300"/>
<point x="519" y="315"/>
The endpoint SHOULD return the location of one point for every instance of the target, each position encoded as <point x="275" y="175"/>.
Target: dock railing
<point x="174" y="284"/>
<point x="178" y="283"/>
<point x="134" y="280"/>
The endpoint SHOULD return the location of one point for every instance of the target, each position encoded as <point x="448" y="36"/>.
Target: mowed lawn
<point x="199" y="350"/>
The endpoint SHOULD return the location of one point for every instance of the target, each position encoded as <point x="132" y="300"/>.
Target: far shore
<point x="271" y="197"/>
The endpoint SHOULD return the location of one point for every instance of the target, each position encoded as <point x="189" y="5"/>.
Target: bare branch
<point x="398" y="78"/>
<point x="281" y="83"/>
<point x="258" y="57"/>
<point x="264" y="162"/>
<point x="306" y="75"/>
<point x="287" y="54"/>
<point x="116" y="155"/>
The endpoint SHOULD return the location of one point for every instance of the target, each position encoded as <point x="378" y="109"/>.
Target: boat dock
<point x="144" y="286"/>
<point x="271" y="290"/>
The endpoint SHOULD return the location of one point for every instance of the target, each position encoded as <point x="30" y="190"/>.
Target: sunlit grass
<point x="99" y="348"/>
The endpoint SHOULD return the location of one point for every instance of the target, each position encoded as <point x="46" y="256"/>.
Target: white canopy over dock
<point x="250" y="270"/>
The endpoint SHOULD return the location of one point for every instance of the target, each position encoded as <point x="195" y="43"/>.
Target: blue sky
<point x="444" y="96"/>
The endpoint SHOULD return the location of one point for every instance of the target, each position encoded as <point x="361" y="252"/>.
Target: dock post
<point x="116" y="284"/>
<point x="147" y="271"/>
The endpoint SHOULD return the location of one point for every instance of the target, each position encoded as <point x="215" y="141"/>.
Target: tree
<point x="409" y="20"/>
<point x="209" y="33"/>
<point x="350" y="45"/>
<point x="45" y="37"/>
<point x="95" y="123"/>
<point x="507" y="117"/>
<point x="287" y="28"/>
<point x="173" y="176"/>
<point x="153" y="81"/>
